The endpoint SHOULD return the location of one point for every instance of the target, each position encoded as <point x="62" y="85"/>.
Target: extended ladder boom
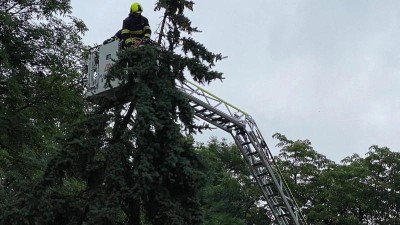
<point x="248" y="138"/>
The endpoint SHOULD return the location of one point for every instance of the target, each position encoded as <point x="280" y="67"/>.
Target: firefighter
<point x="135" y="26"/>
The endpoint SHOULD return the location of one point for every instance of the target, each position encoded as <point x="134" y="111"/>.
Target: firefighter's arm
<point x="146" y="29"/>
<point x="126" y="34"/>
<point x="125" y="31"/>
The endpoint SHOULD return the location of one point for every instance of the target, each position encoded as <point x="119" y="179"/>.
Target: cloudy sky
<point x="327" y="71"/>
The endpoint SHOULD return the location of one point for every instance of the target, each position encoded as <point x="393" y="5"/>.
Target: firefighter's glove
<point x="107" y="41"/>
<point x="146" y="40"/>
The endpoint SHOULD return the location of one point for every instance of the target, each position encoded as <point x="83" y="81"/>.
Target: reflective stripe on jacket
<point x="135" y="27"/>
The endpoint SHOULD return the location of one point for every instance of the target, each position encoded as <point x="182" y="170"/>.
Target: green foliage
<point x="156" y="175"/>
<point x="301" y="166"/>
<point x="175" y="34"/>
<point x="384" y="166"/>
<point x="231" y="195"/>
<point x="40" y="93"/>
<point x="126" y="160"/>
<point x="165" y="174"/>
<point x="358" y="191"/>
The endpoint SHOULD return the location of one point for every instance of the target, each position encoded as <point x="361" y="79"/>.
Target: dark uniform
<point x="117" y="36"/>
<point x="135" y="27"/>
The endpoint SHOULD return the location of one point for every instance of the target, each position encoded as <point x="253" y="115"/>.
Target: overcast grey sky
<point x="323" y="70"/>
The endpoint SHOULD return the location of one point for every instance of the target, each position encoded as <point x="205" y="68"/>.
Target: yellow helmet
<point x="136" y="8"/>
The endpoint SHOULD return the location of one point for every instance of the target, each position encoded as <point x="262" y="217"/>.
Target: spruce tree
<point x="165" y="173"/>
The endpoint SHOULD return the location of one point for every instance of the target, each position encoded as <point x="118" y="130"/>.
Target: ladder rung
<point x="272" y="195"/>
<point x="231" y="126"/>
<point x="257" y="164"/>
<point x="278" y="205"/>
<point x="252" y="153"/>
<point x="283" y="215"/>
<point x="219" y="119"/>
<point x="262" y="174"/>
<point x="241" y="132"/>
<point x="201" y="110"/>
<point x="268" y="184"/>
<point x="246" y="143"/>
<point x="210" y="114"/>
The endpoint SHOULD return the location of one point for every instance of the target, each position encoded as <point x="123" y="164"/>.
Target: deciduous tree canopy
<point x="40" y="96"/>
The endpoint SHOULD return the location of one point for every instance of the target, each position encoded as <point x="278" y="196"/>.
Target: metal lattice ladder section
<point x="282" y="206"/>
